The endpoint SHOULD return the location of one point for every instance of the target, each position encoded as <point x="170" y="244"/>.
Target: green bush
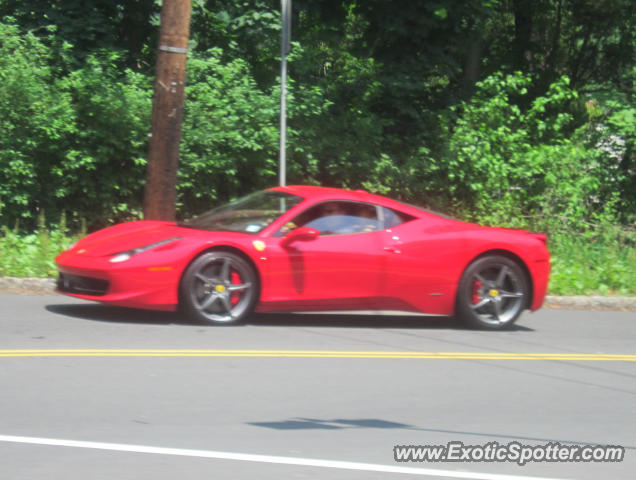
<point x="33" y="254"/>
<point x="69" y="142"/>
<point x="519" y="163"/>
<point x="583" y="266"/>
<point x="230" y="134"/>
<point x="230" y="137"/>
<point x="493" y="166"/>
<point x="102" y="172"/>
<point x="36" y="118"/>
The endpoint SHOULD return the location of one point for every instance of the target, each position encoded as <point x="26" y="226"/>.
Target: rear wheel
<point x="492" y="293"/>
<point x="219" y="287"/>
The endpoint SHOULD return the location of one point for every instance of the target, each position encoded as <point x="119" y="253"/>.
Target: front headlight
<point x="121" y="257"/>
<point x="125" y="255"/>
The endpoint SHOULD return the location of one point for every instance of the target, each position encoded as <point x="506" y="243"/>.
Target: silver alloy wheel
<point x="498" y="297"/>
<point x="219" y="287"/>
<point x="492" y="293"/>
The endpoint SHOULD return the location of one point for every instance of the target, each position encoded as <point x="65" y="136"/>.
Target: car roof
<point x="317" y="193"/>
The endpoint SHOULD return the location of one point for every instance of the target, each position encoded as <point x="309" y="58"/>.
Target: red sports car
<point x="312" y="248"/>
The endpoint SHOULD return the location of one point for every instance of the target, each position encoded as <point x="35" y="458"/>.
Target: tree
<point x="163" y="156"/>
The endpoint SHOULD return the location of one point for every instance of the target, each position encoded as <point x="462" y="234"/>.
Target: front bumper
<point x="136" y="283"/>
<point x="79" y="285"/>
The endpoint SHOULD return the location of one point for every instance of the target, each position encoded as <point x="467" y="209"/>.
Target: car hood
<point x="126" y="236"/>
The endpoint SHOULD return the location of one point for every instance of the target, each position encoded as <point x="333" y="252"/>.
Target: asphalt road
<point x="96" y="392"/>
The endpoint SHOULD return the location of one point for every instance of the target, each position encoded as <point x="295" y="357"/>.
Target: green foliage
<point x="249" y="30"/>
<point x="346" y="139"/>
<point x="67" y="139"/>
<point x="616" y="139"/>
<point x="230" y="140"/>
<point x="230" y="133"/>
<point x="88" y="26"/>
<point x="584" y="267"/>
<point x="490" y="147"/>
<point x="102" y="172"/>
<point x="36" y="118"/>
<point x="33" y="254"/>
<point x="513" y="164"/>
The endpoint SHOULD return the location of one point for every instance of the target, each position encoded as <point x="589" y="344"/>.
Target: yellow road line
<point x="594" y="357"/>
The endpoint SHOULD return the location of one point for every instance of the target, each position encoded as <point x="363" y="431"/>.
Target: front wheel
<point x="219" y="287"/>
<point x="492" y="293"/>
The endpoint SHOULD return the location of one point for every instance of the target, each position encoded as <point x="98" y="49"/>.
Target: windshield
<point x="249" y="214"/>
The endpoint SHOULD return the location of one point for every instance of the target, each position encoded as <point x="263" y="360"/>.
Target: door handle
<point x="392" y="249"/>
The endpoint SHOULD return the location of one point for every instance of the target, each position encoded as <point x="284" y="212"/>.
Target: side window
<point x="393" y="218"/>
<point x="337" y="218"/>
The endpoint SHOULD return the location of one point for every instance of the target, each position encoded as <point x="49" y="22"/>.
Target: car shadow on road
<point x="108" y="313"/>
<point x="330" y="424"/>
<point x="364" y="320"/>
<point x="366" y="423"/>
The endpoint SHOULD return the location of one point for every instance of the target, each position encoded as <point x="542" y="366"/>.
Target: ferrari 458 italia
<point x="304" y="248"/>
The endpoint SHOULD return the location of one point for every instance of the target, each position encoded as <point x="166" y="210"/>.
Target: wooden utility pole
<point x="167" y="111"/>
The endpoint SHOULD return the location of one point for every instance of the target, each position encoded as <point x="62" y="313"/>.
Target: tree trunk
<point x="522" y="50"/>
<point x="167" y="111"/>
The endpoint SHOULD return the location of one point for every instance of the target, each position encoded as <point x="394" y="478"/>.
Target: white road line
<point x="248" y="457"/>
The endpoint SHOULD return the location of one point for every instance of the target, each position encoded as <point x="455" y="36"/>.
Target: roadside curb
<point x="47" y="285"/>
<point x="27" y="285"/>
<point x="591" y="303"/>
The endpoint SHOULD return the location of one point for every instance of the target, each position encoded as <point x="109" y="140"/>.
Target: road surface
<point x="97" y="392"/>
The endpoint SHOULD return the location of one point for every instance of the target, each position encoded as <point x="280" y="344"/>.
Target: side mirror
<point x="300" y="234"/>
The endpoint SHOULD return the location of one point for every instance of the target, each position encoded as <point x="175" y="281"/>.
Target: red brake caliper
<point x="235" y="296"/>
<point x="476" y="287"/>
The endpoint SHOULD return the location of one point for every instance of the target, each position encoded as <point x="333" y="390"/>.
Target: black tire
<point x="219" y="287"/>
<point x="492" y="293"/>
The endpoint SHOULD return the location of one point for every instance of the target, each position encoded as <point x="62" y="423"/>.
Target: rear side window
<point x="393" y="218"/>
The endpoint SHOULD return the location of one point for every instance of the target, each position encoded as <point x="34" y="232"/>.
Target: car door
<point x="421" y="263"/>
<point x="341" y="268"/>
